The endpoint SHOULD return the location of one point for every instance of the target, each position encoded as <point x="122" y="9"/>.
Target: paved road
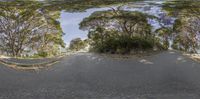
<point x="167" y="75"/>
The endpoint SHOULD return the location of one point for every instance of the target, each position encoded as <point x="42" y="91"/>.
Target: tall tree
<point x="125" y="22"/>
<point x="22" y="23"/>
<point x="118" y="29"/>
<point x="186" y="27"/>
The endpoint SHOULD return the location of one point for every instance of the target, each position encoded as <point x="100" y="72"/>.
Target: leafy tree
<point x="165" y="34"/>
<point x="187" y="25"/>
<point x="27" y="27"/>
<point x="77" y="44"/>
<point x="35" y="23"/>
<point x="183" y="8"/>
<point x="186" y="37"/>
<point x="117" y="30"/>
<point x="82" y="5"/>
<point x="127" y="22"/>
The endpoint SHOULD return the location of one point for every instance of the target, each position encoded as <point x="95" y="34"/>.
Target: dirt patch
<point x="195" y="57"/>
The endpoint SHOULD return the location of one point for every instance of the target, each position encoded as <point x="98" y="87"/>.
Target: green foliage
<point x="164" y="33"/>
<point x="42" y="54"/>
<point x="77" y="44"/>
<point x="27" y="25"/>
<point x="42" y="17"/>
<point x="124" y="45"/>
<point x="129" y="23"/>
<point x="119" y="31"/>
<point x="182" y="8"/>
<point x="82" y="5"/>
<point x="186" y="36"/>
<point x="186" y="27"/>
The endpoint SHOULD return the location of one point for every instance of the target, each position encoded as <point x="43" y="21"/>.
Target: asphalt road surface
<point x="167" y="75"/>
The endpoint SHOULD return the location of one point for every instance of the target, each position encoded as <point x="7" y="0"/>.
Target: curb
<point x="29" y="66"/>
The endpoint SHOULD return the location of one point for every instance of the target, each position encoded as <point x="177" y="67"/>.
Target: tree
<point x="40" y="20"/>
<point x="77" y="44"/>
<point x="25" y="26"/>
<point x="128" y="23"/>
<point x="187" y="25"/>
<point x="183" y="8"/>
<point x="117" y="30"/>
<point x="81" y="5"/>
<point x="187" y="35"/>
<point x="165" y="34"/>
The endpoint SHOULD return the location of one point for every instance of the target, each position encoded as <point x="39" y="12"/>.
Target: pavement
<point x="166" y="75"/>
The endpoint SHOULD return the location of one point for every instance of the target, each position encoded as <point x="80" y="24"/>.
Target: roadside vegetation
<point x="122" y="32"/>
<point x="119" y="31"/>
<point x="31" y="28"/>
<point x="186" y="29"/>
<point x="77" y="44"/>
<point x="25" y="29"/>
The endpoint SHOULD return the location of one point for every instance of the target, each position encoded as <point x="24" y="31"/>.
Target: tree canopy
<point x="33" y="25"/>
<point x="28" y="27"/>
<point x="77" y="44"/>
<point x="116" y="29"/>
<point x="186" y="29"/>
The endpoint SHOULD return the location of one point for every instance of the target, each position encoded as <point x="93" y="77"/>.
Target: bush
<point x="42" y="54"/>
<point x="123" y="45"/>
<point x="77" y="44"/>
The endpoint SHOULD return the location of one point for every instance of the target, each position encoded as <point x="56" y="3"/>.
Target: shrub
<point x="123" y="45"/>
<point x="77" y="44"/>
<point x="42" y="54"/>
